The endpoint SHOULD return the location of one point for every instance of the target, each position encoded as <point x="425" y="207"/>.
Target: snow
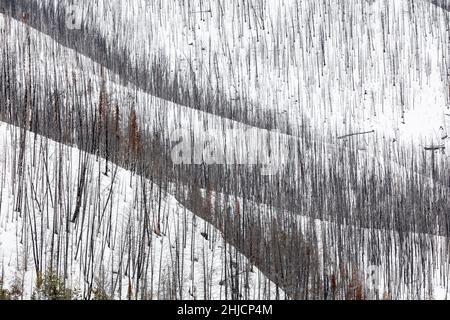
<point x="369" y="63"/>
<point x="430" y="269"/>
<point x="420" y="121"/>
<point x="155" y="115"/>
<point x="163" y="117"/>
<point x="392" y="69"/>
<point x="393" y="82"/>
<point x="111" y="226"/>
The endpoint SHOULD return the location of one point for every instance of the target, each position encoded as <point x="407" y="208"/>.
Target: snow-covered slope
<point x="66" y="69"/>
<point x="346" y="65"/>
<point x="388" y="264"/>
<point x="116" y="243"/>
<point x="349" y="66"/>
<point x="379" y="65"/>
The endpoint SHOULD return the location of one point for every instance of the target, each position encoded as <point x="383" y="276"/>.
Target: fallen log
<point x="356" y="134"/>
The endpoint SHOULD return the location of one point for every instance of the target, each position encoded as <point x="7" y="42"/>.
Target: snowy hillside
<point x="224" y="150"/>
<point x="380" y="65"/>
<point x="65" y="68"/>
<point x="128" y="239"/>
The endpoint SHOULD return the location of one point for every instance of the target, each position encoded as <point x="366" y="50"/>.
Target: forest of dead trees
<point x="370" y="210"/>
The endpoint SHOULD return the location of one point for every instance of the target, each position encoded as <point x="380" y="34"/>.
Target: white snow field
<point x="346" y="65"/>
<point x="65" y="69"/>
<point x="116" y="236"/>
<point x="423" y="125"/>
<point x="383" y="280"/>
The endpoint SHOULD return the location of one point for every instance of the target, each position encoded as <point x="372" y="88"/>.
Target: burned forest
<point x="224" y="150"/>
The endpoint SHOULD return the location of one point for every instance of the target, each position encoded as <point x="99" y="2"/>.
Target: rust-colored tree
<point x="134" y="135"/>
<point x="117" y="129"/>
<point x="208" y="204"/>
<point x="103" y="110"/>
